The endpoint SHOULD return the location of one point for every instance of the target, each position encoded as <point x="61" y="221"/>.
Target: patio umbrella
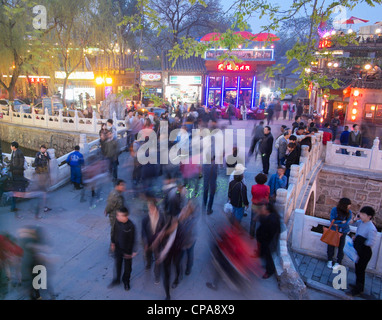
<point x="379" y="23"/>
<point x="354" y="20"/>
<point x="246" y="35"/>
<point x="213" y="36"/>
<point x="265" y="36"/>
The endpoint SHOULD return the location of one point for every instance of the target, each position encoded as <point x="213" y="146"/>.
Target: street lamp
<point x="367" y="66"/>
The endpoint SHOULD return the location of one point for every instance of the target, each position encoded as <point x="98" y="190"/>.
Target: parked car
<point x="57" y="105"/>
<point x="17" y="104"/>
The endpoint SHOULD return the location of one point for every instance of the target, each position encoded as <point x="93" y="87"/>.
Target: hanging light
<point x="356" y="93"/>
<point x="354" y="111"/>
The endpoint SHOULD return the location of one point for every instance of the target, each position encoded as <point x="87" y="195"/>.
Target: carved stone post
<point x="53" y="167"/>
<point x="84" y="147"/>
<point x="375" y="161"/>
<point x="281" y="199"/>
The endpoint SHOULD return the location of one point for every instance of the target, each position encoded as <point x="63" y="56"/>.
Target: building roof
<point x="367" y="84"/>
<point x="192" y="64"/>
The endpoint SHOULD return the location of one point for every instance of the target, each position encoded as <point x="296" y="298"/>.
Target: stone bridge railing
<point x="76" y="123"/>
<point x="353" y="157"/>
<point x="59" y="170"/>
<point x="296" y="205"/>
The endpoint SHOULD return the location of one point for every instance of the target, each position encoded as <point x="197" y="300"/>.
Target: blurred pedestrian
<point x="123" y="245"/>
<point x="210" y="175"/>
<point x="277" y="109"/>
<point x="270" y="111"/>
<point x="187" y="228"/>
<point x="363" y="241"/>
<point x="16" y="168"/>
<point x="41" y="164"/>
<point x="267" y="235"/>
<point x="76" y="160"/>
<point x="237" y="195"/>
<point x="152" y="224"/>
<point x="285" y="109"/>
<point x="292" y="110"/>
<point x="260" y="195"/>
<point x="111" y="154"/>
<point x="334" y="124"/>
<point x="115" y="201"/>
<point x="341" y="214"/>
<point x="257" y="135"/>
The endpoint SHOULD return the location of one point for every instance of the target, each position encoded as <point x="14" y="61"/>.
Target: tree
<point x="21" y="45"/>
<point x="74" y="30"/>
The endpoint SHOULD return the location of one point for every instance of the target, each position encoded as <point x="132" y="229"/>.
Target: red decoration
<point x="230" y="67"/>
<point x="325" y="43"/>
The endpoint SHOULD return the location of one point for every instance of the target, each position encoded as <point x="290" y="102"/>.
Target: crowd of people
<point x="169" y="229"/>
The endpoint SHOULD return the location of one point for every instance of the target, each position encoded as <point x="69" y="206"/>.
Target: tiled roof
<point x="192" y="64"/>
<point x="368" y="84"/>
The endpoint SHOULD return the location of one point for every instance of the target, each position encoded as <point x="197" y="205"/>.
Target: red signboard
<point x="36" y="80"/>
<point x="325" y="43"/>
<point x="237" y="67"/>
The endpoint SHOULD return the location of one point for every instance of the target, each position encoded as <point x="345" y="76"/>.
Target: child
<point x="75" y="160"/>
<point x="363" y="241"/>
<point x="260" y="195"/>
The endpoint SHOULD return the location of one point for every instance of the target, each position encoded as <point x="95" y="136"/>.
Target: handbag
<point x="331" y="237"/>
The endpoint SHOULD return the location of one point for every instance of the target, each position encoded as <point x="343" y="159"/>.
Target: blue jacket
<point x="342" y="227"/>
<point x="75" y="159"/>
<point x="276" y="183"/>
<point x="344" y="138"/>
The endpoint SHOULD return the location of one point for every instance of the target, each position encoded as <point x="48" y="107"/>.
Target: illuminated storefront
<point x="228" y="83"/>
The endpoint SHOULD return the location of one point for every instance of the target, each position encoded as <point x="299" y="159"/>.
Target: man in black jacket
<point x="265" y="148"/>
<point x="123" y="245"/>
<point x="16" y="167"/>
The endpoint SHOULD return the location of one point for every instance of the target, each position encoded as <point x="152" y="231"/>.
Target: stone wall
<point x="361" y="187"/>
<point x="31" y="138"/>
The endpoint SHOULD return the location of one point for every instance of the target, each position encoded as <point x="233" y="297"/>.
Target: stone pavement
<point x="79" y="237"/>
<point x="317" y="275"/>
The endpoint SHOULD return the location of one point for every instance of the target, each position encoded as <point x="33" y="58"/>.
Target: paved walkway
<point x="80" y="238"/>
<point x="316" y="274"/>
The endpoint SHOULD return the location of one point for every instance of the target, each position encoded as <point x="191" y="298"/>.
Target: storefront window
<point x="215" y="82"/>
<point x="214" y="97"/>
<point x="230" y="96"/>
<point x="189" y="94"/>
<point x="245" y="97"/>
<point x="230" y="82"/>
<point x="246" y="82"/>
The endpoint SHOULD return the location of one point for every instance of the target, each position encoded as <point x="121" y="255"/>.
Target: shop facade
<point x="236" y="84"/>
<point x="152" y="84"/>
<point x="184" y="81"/>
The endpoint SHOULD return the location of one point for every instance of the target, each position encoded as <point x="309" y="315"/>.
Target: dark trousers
<point x="265" y="160"/>
<point x="209" y="189"/>
<point x="171" y="257"/>
<point x="266" y="254"/>
<point x="364" y="255"/>
<point x="119" y="260"/>
<point x="340" y="252"/>
<point x="150" y="256"/>
<point x="113" y="168"/>
<point x="190" y="258"/>
<point x="253" y="145"/>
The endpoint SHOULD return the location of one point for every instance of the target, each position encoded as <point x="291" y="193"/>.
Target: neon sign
<point x="237" y="67"/>
<point x="36" y="80"/>
<point x="325" y="43"/>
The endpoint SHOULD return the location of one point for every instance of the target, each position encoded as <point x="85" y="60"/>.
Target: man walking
<point x="265" y="148"/>
<point x="123" y="245"/>
<point x="210" y="175"/>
